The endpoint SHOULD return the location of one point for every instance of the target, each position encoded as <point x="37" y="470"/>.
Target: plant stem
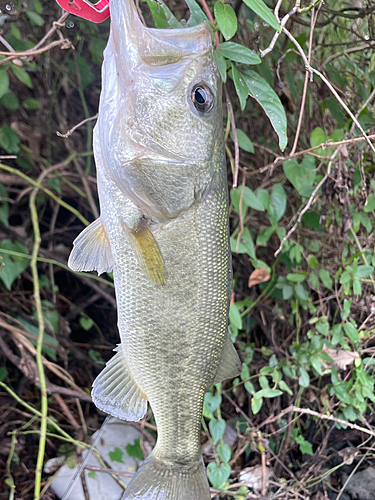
<point x="46" y="190"/>
<point x="39" y="346"/>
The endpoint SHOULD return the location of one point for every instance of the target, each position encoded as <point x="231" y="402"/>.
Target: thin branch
<point x="329" y="85"/>
<point x="307" y="411"/>
<point x="313" y="20"/>
<point x="69" y="132"/>
<point x="235" y="139"/>
<point x="309" y="203"/>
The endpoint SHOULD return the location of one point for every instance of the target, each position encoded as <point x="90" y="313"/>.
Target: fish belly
<point x="172" y="335"/>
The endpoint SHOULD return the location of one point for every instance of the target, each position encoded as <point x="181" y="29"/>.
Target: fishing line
<point x="77" y="475"/>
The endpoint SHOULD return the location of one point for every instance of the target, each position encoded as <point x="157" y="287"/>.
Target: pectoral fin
<point x="91" y="250"/>
<point x="115" y="391"/>
<point x="230" y="365"/>
<point x="147" y="252"/>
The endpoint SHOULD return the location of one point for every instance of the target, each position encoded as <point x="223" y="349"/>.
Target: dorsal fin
<point x="91" y="250"/>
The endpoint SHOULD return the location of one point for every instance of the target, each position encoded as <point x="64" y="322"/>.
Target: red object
<point x="96" y="13"/>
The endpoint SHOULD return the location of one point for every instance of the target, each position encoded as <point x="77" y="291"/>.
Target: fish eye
<point x="202" y="97"/>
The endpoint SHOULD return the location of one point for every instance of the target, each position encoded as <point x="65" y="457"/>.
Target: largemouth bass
<point x="163" y="230"/>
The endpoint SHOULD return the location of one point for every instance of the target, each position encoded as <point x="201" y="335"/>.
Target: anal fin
<point x="116" y="392"/>
<point x="91" y="250"/>
<point x="147" y="252"/>
<point x="230" y="365"/>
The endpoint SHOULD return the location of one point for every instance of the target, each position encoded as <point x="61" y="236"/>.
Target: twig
<point x="347" y="51"/>
<point x="69" y="132"/>
<point x="283" y="22"/>
<point x="309" y="203"/>
<point x="46" y="190"/>
<point x="65" y="44"/>
<point x="300" y="118"/>
<point x="211" y="19"/>
<point x="235" y="138"/>
<point x="109" y="471"/>
<point x="330" y="86"/>
<point x="313" y="413"/>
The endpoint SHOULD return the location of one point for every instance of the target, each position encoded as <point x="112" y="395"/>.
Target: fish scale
<point x="163" y="230"/>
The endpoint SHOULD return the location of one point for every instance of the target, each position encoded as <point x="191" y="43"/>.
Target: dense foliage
<point x="299" y="100"/>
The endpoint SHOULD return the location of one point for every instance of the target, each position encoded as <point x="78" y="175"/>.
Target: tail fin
<point x="157" y="480"/>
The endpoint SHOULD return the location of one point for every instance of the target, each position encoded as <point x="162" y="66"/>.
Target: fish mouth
<point x="154" y="46"/>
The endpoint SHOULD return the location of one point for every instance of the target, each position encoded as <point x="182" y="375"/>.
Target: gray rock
<point x="361" y="486"/>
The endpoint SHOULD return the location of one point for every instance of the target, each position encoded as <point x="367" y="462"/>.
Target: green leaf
<point x="357" y="288"/>
<point x="212" y="402"/>
<point x="86" y="75"/>
<point x="218" y="474"/>
<point x="197" y="15"/>
<point x="249" y="387"/>
<point x="287" y="292"/>
<point x="238" y="53"/>
<point x="302" y="175"/>
<point x="4" y="82"/>
<point x="135" y="450"/>
<point x="296" y="277"/>
<point x="370" y="204"/>
<point x="301" y="292"/>
<point x="158" y="14"/>
<point x="224" y="452"/>
<point x="245" y="245"/>
<point x="278" y="203"/>
<point x="217" y="429"/>
<point x="337" y="334"/>
<point x="261" y="9"/>
<point x="35" y="18"/>
<point x="91" y="474"/>
<point x="31" y="104"/>
<point x="22" y="75"/>
<point x="318" y="136"/>
<point x="116" y="455"/>
<point x="270" y="393"/>
<point x="95" y="355"/>
<point x="12" y="266"/>
<point x="226" y="19"/>
<point x="55" y="184"/>
<point x="235" y="316"/>
<point x="304" y="378"/>
<point x="313" y="280"/>
<point x="221" y="65"/>
<point x="9" y="140"/>
<point x="3" y="373"/>
<point x="366" y="222"/>
<point x="10" y="101"/>
<point x="351" y="331"/>
<point x="304" y="445"/>
<point x="243" y="141"/>
<point x="50" y="348"/>
<point x="251" y="199"/>
<point x="364" y="271"/>
<point x="312" y="261"/>
<point x="256" y="404"/>
<point x="264" y="236"/>
<point x="283" y="386"/>
<point x="326" y="278"/>
<point x="240" y="86"/>
<point x="86" y="323"/>
<point x="259" y="90"/>
<point x="4" y="206"/>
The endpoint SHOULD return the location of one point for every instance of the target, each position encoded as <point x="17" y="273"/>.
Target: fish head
<point x="167" y="116"/>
